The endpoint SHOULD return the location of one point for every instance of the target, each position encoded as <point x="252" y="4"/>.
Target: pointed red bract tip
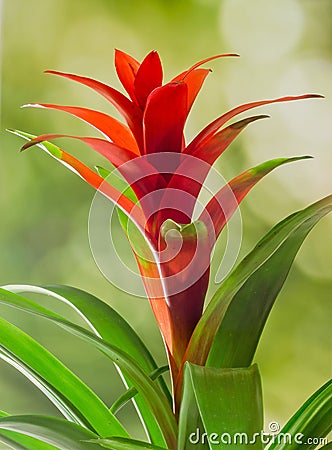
<point x="126" y="68"/>
<point x="211" y="58"/>
<point x="302" y="97"/>
<point x="53" y="72"/>
<point x="316" y="96"/>
<point x="149" y="76"/>
<point x="26" y="146"/>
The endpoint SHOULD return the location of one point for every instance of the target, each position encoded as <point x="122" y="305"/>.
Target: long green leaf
<point x="56" y="381"/>
<point x="58" y="433"/>
<point x="150" y="392"/>
<point x="310" y="423"/>
<point x="229" y="403"/>
<point x="63" y="405"/>
<point x="240" y="330"/>
<point x="105" y="322"/>
<point x="101" y="318"/>
<point x="190" y="420"/>
<point x="125" y="444"/>
<point x="20" y="441"/>
<point x="285" y="236"/>
<point x="131" y="392"/>
<point x="11" y="442"/>
<point x="153" y="396"/>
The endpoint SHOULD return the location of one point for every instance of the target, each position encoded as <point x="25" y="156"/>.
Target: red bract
<point x="166" y="175"/>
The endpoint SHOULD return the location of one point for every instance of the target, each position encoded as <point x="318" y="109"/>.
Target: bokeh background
<point x="285" y="48"/>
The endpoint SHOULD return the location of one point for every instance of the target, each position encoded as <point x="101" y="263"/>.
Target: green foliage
<point x="131" y="392"/>
<point x="69" y="394"/>
<point x="151" y="393"/>
<point x="215" y="399"/>
<point x="125" y="444"/>
<point x="59" y="433"/>
<point x="260" y="276"/>
<point x="98" y="316"/>
<point x="264" y="272"/>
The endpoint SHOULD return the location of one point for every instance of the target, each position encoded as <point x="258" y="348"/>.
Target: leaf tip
<point x="315" y="96"/>
<point x="32" y="105"/>
<point x="299" y="158"/>
<point x="242" y="123"/>
<point x="26" y="146"/>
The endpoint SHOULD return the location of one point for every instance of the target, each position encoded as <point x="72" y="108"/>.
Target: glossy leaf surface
<point x="150" y="392"/>
<point x="126" y="444"/>
<point x="228" y="402"/>
<point x="20" y="441"/>
<point x="61" y="434"/>
<point x="283" y="236"/>
<point x="60" y="385"/>
<point x="105" y="322"/>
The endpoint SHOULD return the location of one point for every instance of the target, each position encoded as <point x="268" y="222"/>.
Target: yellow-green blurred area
<point x="285" y="48"/>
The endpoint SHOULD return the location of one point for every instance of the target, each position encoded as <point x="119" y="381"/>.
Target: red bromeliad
<point x="164" y="177"/>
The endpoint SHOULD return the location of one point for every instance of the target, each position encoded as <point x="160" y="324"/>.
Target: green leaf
<point x="125" y="444"/>
<point x="20" y="441"/>
<point x="310" y="423"/>
<point x="59" y="400"/>
<point x="229" y="404"/>
<point x="153" y="396"/>
<point x="118" y="182"/>
<point x="68" y="393"/>
<point x="105" y="322"/>
<point x="59" y="433"/>
<point x="131" y="392"/>
<point x="52" y="149"/>
<point x="190" y="420"/>
<point x="150" y="392"/>
<point x="238" y="347"/>
<point x="101" y="318"/>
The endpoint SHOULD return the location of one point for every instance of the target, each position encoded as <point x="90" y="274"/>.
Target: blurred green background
<point x="285" y="47"/>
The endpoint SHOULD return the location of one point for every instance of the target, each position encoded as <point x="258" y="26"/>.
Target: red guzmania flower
<point x="165" y="175"/>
